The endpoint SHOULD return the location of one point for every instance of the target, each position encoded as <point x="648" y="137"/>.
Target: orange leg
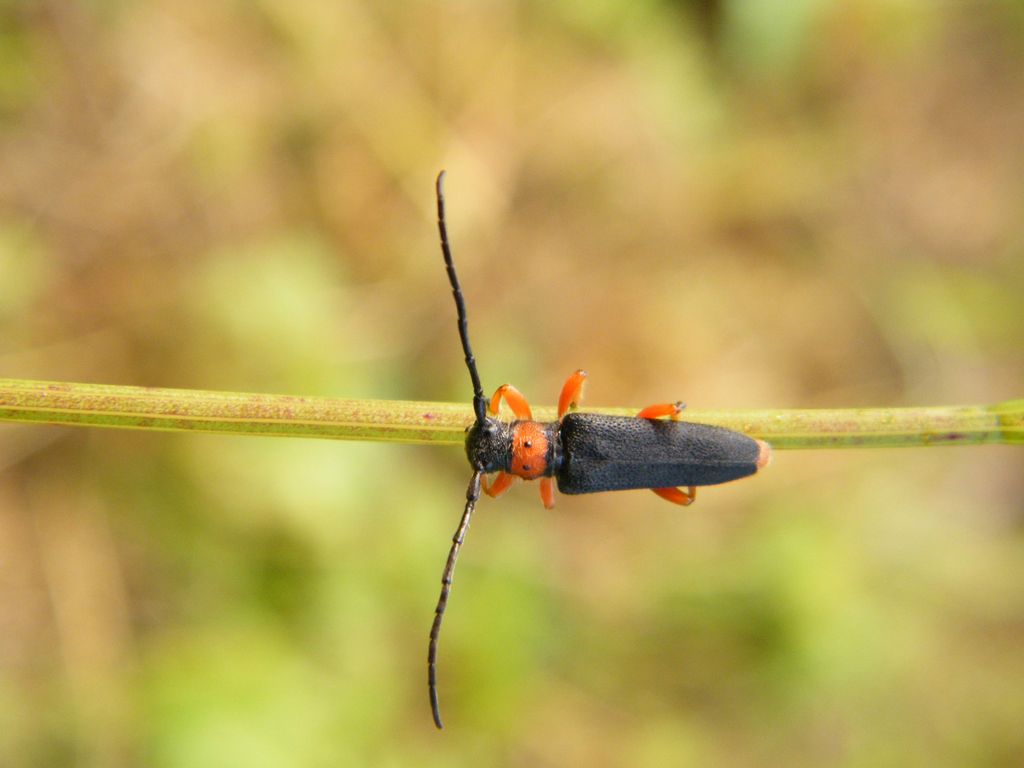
<point x="547" y="492"/>
<point x="515" y="400"/>
<point x="501" y="483"/>
<point x="677" y="495"/>
<point x="661" y="409"/>
<point x="572" y="392"/>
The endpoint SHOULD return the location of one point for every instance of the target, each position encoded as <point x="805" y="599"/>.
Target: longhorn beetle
<point x="581" y="452"/>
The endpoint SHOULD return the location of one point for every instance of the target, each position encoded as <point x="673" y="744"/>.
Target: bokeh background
<point x="739" y="203"/>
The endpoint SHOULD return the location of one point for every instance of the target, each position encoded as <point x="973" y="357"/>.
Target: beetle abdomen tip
<point x="764" y="454"/>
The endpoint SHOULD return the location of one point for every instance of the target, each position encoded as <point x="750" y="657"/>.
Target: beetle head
<point x="489" y="445"/>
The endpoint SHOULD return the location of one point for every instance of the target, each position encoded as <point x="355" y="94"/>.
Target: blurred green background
<point x="739" y="203"/>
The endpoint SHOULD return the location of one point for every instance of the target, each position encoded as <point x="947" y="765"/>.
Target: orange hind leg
<point x="661" y="409"/>
<point x="677" y="495"/>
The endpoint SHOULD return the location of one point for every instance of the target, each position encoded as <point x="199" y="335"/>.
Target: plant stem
<point x="100" y="405"/>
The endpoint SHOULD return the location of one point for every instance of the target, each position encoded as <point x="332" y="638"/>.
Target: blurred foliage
<point x="737" y="202"/>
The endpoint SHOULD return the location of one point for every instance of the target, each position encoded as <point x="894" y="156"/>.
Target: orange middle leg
<point x="515" y="400"/>
<point x="572" y="392"/>
<point x="677" y="495"/>
<point x="547" y="492"/>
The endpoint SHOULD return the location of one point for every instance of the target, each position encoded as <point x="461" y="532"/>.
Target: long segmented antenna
<point x="472" y="496"/>
<point x="473" y="491"/>
<point x="479" y="402"/>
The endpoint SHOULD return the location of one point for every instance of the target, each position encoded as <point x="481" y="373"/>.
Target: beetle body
<point x="593" y="453"/>
<point x="581" y="452"/>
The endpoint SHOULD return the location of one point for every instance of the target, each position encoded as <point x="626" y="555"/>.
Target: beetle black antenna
<point x="479" y="402"/>
<point x="472" y="495"/>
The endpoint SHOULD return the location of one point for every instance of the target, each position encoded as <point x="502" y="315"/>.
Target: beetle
<point x="580" y="452"/>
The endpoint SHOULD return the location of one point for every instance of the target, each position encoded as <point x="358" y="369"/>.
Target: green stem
<point x="99" y="405"/>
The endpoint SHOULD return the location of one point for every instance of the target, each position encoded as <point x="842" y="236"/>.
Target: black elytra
<point x="621" y="453"/>
<point x="581" y="452"/>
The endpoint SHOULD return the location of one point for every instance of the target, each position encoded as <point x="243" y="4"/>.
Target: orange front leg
<point x="572" y="392"/>
<point x="661" y="409"/>
<point x="677" y="495"/>
<point x="515" y="400"/>
<point x="501" y="483"/>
